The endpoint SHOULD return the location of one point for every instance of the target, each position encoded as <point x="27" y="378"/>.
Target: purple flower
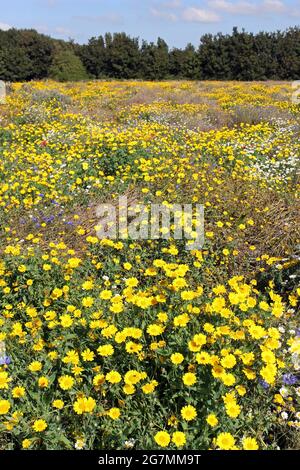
<point x="263" y="383"/>
<point x="5" y="360"/>
<point x="289" y="379"/>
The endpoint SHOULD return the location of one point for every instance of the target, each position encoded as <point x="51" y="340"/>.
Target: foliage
<point x="27" y="55"/>
<point x="67" y="66"/>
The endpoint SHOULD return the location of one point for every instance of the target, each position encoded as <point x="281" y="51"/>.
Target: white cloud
<point x="107" y="18"/>
<point x="199" y="15"/>
<point x="274" y="6"/>
<point x="41" y="28"/>
<point x="4" y="26"/>
<point x="172" y="4"/>
<point x="163" y="14"/>
<point x="241" y="8"/>
<point x="62" y="30"/>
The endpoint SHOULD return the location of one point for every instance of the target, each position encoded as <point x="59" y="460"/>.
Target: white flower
<point x="284" y="415"/>
<point x="129" y="444"/>
<point x="284" y="392"/>
<point x="79" y="444"/>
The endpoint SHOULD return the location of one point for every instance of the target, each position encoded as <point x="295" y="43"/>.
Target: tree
<point x="28" y="55"/>
<point x="122" y="56"/>
<point x="93" y="57"/>
<point x="67" y="66"/>
<point x="162" y="59"/>
<point x="148" y="61"/>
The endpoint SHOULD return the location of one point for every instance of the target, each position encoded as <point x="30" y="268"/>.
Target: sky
<point x="177" y="21"/>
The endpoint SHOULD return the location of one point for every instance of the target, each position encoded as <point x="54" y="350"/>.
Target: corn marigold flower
<point x="249" y="443"/>
<point x="114" y="413"/>
<point x="212" y="420"/>
<point x="188" y="413"/>
<point x="162" y="438"/>
<point x="225" y="441"/>
<point x="189" y="379"/>
<point x="58" y="404"/>
<point x="26" y="443"/>
<point x="4" y="407"/>
<point x="113" y="377"/>
<point x="84" y="405"/>
<point x="39" y="425"/>
<point x="66" y="382"/>
<point x="178" y="438"/>
<point x="177" y="358"/>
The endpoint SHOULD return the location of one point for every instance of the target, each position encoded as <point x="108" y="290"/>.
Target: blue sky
<point x="177" y="21"/>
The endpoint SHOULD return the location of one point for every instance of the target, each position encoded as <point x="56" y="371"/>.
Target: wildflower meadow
<point x="142" y="343"/>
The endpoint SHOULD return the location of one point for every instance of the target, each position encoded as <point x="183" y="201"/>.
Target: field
<point x="144" y="344"/>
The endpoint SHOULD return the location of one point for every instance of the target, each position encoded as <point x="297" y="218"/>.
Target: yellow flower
<point x="129" y="389"/>
<point x="18" y="392"/>
<point x="59" y="404"/>
<point x="203" y="358"/>
<point x="127" y="266"/>
<point x="189" y="379"/>
<point x="132" y="377"/>
<point x="35" y="366"/>
<point x="43" y="382"/>
<point x="177" y="358"/>
<point x="105" y="350"/>
<point x="212" y="420"/>
<point x="74" y="262"/>
<point x="241" y="390"/>
<point x="268" y="373"/>
<point x="155" y="330"/>
<point x="84" y="405"/>
<point x="88" y="355"/>
<point x="268" y="357"/>
<point x="229" y="361"/>
<point x="4" y="379"/>
<point x="181" y="320"/>
<point x="131" y="282"/>
<point x="188" y="412"/>
<point x="26" y="443"/>
<point x="66" y="382"/>
<point x="4" y="407"/>
<point x="250" y="443"/>
<point x="178" y="438"/>
<point x="113" y="377"/>
<point x="87" y="301"/>
<point x="114" y="413"/>
<point x="66" y="320"/>
<point x="228" y="379"/>
<point x="162" y="438"/>
<point x="233" y="410"/>
<point x="87" y="285"/>
<point x="98" y="380"/>
<point x="149" y="387"/>
<point x="39" y="425"/>
<point x="117" y="307"/>
<point x="105" y="294"/>
<point x="225" y="441"/>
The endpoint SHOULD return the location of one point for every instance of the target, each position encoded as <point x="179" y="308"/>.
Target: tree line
<point x="28" y="55"/>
